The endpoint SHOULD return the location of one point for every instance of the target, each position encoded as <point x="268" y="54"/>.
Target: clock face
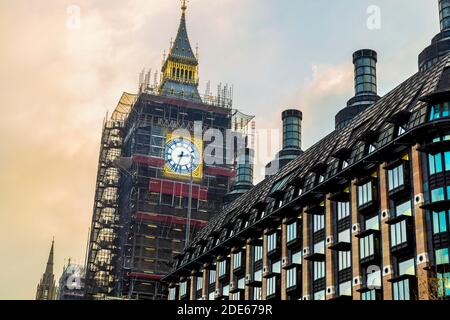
<point x="182" y="156"/>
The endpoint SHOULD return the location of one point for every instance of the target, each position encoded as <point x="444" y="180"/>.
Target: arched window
<point x="173" y="72"/>
<point x="178" y="72"/>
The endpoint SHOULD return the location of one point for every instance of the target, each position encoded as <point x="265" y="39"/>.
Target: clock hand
<point x="178" y="164"/>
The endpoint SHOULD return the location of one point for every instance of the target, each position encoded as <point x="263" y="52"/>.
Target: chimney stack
<point x="292" y="129"/>
<point x="244" y="168"/>
<point x="365" y="62"/>
<point x="292" y="141"/>
<point x="444" y="14"/>
<point x="440" y="44"/>
<point x="244" y="176"/>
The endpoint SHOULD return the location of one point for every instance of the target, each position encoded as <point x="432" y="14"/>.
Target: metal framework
<point x="101" y="260"/>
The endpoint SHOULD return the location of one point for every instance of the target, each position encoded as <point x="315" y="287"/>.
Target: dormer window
<point x="321" y="178"/>
<point x="438" y="111"/>
<point x="372" y="148"/>
<point x="344" y="164"/>
<point x="401" y="131"/>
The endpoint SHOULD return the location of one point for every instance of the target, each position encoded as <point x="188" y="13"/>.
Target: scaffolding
<point x="153" y="206"/>
<point x="140" y="219"/>
<point x="102" y="253"/>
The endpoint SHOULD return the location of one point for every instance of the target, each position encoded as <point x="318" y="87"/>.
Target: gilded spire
<point x="180" y="68"/>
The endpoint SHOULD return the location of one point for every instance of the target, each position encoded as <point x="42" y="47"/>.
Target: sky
<point x="60" y="75"/>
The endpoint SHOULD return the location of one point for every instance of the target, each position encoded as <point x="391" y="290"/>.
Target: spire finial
<point x="183" y="5"/>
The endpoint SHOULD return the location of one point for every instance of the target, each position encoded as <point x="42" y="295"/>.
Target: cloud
<point x="323" y="95"/>
<point x="58" y="83"/>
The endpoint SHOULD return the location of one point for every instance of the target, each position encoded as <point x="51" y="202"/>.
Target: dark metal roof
<point x="406" y="97"/>
<point x="181" y="48"/>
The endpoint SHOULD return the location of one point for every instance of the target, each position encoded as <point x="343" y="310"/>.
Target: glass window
<point x="398" y="234"/>
<point x="271" y="286"/>
<point x="442" y="256"/>
<point x="297" y="257"/>
<point x="241" y="283"/>
<point x="345" y="236"/>
<point x="440" y="222"/>
<point x="401" y="290"/>
<point x="319" y="247"/>
<point x="365" y="194"/>
<point x="226" y="290"/>
<point x="291" y="230"/>
<point x="237" y="260"/>
<point x="257" y="253"/>
<point x="183" y="289"/>
<point x="172" y="293"/>
<point x="257" y="294"/>
<point x="319" y="270"/>
<point x="272" y="242"/>
<point x="319" y="222"/>
<point x="279" y="184"/>
<point x="447" y="160"/>
<point x="443" y="284"/>
<point x="199" y="283"/>
<point x="367" y="246"/>
<point x="291" y="278"/>
<point x="222" y="268"/>
<point x="435" y="162"/>
<point x="396" y="178"/>
<point x="212" y="277"/>
<point x="319" y="295"/>
<point x="437" y="195"/>
<point x="373" y="223"/>
<point x="235" y="296"/>
<point x="345" y="260"/>
<point x="344" y="164"/>
<point x="439" y="111"/>
<point x="276" y="267"/>
<point x="369" y="295"/>
<point x="404" y="209"/>
<point x="345" y="289"/>
<point x="343" y="209"/>
<point x="407" y="268"/>
<point x="258" y="275"/>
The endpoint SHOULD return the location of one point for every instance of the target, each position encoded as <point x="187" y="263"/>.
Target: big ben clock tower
<point x="180" y="69"/>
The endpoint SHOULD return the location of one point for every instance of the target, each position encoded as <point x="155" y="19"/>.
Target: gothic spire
<point x="49" y="268"/>
<point x="181" y="47"/>
<point x="46" y="289"/>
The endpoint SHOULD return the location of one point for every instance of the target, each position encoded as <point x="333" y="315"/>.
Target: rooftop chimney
<point x="440" y="44"/>
<point x="244" y="176"/>
<point x="292" y="141"/>
<point x="365" y="62"/>
<point x="444" y="14"/>
<point x="244" y="168"/>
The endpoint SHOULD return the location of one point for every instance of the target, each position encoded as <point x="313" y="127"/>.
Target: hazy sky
<point x="57" y="83"/>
